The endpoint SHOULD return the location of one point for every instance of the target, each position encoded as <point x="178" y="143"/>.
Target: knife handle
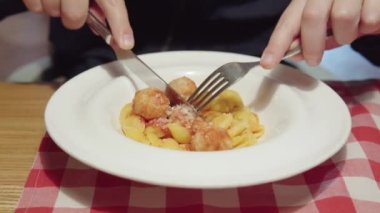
<point x="95" y="24"/>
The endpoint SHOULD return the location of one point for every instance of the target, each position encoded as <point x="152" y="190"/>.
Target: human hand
<point x="305" y="22"/>
<point x="74" y="14"/>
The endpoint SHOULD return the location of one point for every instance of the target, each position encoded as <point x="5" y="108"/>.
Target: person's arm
<point x="306" y="22"/>
<point x="74" y="13"/>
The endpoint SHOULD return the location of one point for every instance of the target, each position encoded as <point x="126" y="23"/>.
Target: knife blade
<point x="134" y="64"/>
<point x="137" y="66"/>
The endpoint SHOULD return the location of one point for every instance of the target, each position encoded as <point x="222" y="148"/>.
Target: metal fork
<point x="224" y="77"/>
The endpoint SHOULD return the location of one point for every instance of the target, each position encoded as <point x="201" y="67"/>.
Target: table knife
<point x="133" y="63"/>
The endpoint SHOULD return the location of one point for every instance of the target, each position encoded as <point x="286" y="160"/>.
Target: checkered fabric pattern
<point x="347" y="182"/>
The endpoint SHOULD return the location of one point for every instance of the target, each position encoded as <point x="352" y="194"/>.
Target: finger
<point x="74" y="13"/>
<point x="313" y="30"/>
<point x="97" y="11"/>
<point x="283" y="35"/>
<point x="377" y="32"/>
<point x="331" y="43"/>
<point x="116" y="14"/>
<point x="297" y="58"/>
<point x="370" y="17"/>
<point x="51" y="7"/>
<point x="33" y="5"/>
<point x="345" y="17"/>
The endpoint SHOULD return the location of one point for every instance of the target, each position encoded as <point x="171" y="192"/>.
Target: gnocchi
<point x="224" y="124"/>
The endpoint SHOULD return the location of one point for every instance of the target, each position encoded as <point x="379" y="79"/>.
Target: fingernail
<point x="267" y="60"/>
<point x="127" y="41"/>
<point x="313" y="62"/>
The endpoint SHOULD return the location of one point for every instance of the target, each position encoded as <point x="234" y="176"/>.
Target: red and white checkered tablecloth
<point x="347" y="182"/>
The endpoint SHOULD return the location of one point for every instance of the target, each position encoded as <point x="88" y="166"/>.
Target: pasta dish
<point x="225" y="123"/>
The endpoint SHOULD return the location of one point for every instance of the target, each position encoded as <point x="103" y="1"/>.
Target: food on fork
<point x="184" y="86"/>
<point x="222" y="125"/>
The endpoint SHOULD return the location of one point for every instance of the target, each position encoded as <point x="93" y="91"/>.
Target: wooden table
<point x="21" y="130"/>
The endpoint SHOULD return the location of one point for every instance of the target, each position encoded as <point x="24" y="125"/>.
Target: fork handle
<point x="297" y="49"/>
<point x="292" y="52"/>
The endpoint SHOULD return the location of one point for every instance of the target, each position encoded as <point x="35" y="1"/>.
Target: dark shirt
<point x="241" y="26"/>
<point x="10" y="7"/>
<point x="369" y="47"/>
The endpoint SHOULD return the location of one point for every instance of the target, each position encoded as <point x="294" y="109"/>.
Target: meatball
<point x="184" y="86"/>
<point x="150" y="103"/>
<point x="211" y="138"/>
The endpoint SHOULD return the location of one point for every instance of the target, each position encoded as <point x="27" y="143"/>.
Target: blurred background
<point x="24" y="46"/>
<point x="24" y="54"/>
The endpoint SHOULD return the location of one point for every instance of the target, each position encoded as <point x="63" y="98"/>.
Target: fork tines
<point x="211" y="87"/>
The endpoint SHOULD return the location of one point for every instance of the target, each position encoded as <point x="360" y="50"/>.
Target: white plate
<point x="306" y="123"/>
